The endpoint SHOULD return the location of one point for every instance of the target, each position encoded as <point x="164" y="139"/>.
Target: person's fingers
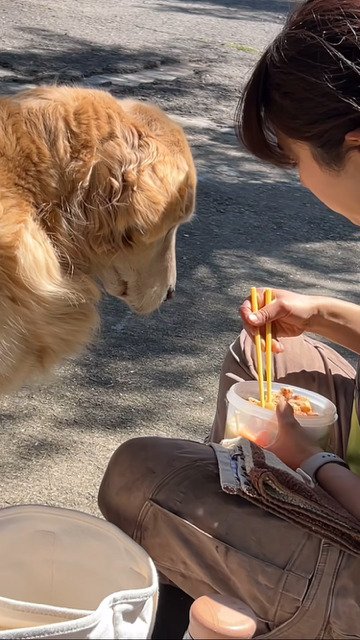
<point x="245" y="311"/>
<point x="277" y="346"/>
<point x="285" y="413"/>
<point x="246" y="305"/>
<point x="268" y="313"/>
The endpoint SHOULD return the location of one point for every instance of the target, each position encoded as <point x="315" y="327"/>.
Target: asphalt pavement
<point x="255" y="225"/>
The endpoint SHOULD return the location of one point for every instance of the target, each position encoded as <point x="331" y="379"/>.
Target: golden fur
<point x="92" y="190"/>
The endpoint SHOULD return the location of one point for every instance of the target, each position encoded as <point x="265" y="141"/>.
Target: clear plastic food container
<point x="246" y="419"/>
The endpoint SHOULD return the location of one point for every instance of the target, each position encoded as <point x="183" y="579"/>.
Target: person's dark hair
<point x="306" y="84"/>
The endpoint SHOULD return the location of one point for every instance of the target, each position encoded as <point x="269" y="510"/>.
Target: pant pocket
<point x="344" y="616"/>
<point x="310" y="621"/>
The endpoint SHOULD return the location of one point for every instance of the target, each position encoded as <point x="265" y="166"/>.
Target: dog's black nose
<point x="170" y="293"/>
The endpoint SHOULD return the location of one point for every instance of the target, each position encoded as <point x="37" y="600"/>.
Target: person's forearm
<point x="338" y="321"/>
<point x="341" y="484"/>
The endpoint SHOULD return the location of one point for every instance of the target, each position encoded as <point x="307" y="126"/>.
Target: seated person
<point x="300" y="108"/>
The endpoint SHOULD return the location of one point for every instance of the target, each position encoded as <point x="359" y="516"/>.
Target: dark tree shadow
<point x="258" y="10"/>
<point x="59" y="57"/>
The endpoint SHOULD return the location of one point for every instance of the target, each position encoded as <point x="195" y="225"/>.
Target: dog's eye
<point x="127" y="238"/>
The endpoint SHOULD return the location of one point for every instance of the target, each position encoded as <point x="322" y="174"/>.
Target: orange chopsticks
<point x="259" y="362"/>
<point x="268" y="349"/>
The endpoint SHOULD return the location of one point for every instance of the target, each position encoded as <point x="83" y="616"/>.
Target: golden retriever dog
<point x="92" y="191"/>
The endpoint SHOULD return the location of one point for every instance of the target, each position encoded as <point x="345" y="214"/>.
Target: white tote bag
<point x="66" y="574"/>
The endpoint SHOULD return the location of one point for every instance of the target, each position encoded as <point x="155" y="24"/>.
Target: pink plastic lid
<point x="217" y="616"/>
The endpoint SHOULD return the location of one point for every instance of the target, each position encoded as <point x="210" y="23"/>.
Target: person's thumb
<point x="268" y="313"/>
<point x="285" y="414"/>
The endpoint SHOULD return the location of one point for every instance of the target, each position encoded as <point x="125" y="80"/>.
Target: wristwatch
<point x="311" y="466"/>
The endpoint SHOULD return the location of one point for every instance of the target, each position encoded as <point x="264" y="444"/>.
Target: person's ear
<point x="352" y="139"/>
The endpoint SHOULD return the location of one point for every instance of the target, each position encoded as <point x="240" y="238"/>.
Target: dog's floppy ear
<point x="106" y="203"/>
<point x="103" y="184"/>
<point x="187" y="193"/>
<point x="130" y="185"/>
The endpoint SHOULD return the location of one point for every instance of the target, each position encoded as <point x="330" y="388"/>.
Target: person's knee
<point x="123" y="488"/>
<point x="132" y="475"/>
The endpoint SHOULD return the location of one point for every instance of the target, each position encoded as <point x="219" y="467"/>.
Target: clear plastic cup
<point x="260" y="425"/>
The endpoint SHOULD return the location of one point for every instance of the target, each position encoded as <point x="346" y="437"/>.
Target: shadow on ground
<point x="49" y="56"/>
<point x="259" y="10"/>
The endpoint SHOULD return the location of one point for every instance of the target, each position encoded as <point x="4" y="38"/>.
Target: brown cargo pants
<point x="166" y="494"/>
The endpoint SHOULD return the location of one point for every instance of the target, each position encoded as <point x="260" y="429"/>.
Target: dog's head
<point x="127" y="182"/>
<point x="140" y="201"/>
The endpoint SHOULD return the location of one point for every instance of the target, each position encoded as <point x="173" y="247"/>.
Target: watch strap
<point x="309" y="468"/>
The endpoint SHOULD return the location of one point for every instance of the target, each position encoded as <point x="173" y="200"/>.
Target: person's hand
<point x="292" y="444"/>
<point x="291" y="315"/>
